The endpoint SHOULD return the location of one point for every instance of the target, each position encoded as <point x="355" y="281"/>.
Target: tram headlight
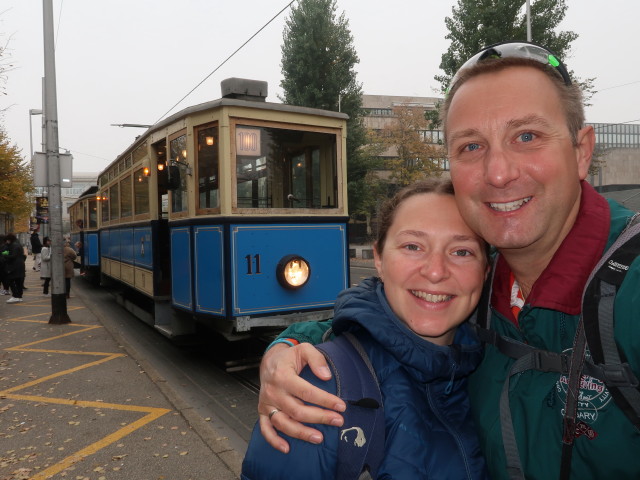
<point x="293" y="271"/>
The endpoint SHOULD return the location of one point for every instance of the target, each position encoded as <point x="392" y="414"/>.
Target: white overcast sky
<point x="129" y="61"/>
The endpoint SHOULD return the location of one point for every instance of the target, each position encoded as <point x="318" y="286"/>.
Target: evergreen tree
<point x="16" y="182"/>
<point x="475" y="24"/>
<point x="318" y="60"/>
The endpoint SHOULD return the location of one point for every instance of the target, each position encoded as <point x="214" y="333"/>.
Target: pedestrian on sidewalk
<point x="14" y="261"/>
<point x="36" y="249"/>
<point x="69" y="257"/>
<point x="45" y="269"/>
<point x="4" y="281"/>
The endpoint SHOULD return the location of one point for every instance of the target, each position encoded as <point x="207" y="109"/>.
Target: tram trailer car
<point x="83" y="214"/>
<point x="231" y="213"/>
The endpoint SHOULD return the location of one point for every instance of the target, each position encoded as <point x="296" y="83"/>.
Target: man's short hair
<point x="570" y="95"/>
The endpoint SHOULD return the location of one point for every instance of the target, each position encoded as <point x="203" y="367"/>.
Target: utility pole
<point x="59" y="313"/>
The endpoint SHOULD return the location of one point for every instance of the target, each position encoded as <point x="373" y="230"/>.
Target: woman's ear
<point x="378" y="261"/>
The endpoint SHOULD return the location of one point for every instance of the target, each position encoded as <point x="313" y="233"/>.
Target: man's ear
<point x="585" y="144"/>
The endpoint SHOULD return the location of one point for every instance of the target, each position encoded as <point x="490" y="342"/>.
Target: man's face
<point x="515" y="170"/>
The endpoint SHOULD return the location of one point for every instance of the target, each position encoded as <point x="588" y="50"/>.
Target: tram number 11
<point x="251" y="259"/>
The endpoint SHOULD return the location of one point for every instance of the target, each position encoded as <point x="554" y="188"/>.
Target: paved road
<point x="107" y="397"/>
<point x="76" y="402"/>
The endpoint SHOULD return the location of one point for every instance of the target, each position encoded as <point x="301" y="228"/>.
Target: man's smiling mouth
<point x="509" y="206"/>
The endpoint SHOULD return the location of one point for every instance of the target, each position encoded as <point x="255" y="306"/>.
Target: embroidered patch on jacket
<point x="592" y="398"/>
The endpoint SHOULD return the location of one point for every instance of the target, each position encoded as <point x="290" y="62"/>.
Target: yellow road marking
<point x="152" y="413"/>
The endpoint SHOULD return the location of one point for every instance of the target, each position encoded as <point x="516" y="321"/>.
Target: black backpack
<point x="595" y="331"/>
<point x="362" y="436"/>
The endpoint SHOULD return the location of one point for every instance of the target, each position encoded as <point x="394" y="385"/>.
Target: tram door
<point x="162" y="263"/>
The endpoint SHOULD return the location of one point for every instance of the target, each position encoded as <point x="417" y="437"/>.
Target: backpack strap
<point x="597" y="310"/>
<point x="595" y="330"/>
<point x="362" y="436"/>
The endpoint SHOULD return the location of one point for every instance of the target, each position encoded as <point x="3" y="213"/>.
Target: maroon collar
<point x="561" y="284"/>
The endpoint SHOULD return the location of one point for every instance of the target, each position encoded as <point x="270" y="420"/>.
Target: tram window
<point x="93" y="214"/>
<point x="104" y="201"/>
<point x="141" y="192"/>
<point x="140" y="152"/>
<point x="72" y="217"/>
<point x="177" y="157"/>
<point x="208" y="163"/>
<point x="113" y="202"/>
<point x="85" y="208"/>
<point x="126" y="203"/>
<point x="284" y="168"/>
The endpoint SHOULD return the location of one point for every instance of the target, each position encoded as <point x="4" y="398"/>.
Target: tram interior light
<point x="293" y="271"/>
<point x="209" y="140"/>
<point x="145" y="171"/>
<point x="161" y="166"/>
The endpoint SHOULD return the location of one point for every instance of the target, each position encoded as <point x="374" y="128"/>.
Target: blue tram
<point x="231" y="213"/>
<point x="83" y="215"/>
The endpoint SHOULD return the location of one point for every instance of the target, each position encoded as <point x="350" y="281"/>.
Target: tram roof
<point x="227" y="102"/>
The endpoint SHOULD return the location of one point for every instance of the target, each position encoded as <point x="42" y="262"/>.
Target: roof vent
<point x="244" y="89"/>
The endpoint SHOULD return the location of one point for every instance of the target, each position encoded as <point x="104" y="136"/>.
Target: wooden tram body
<point x="231" y="213"/>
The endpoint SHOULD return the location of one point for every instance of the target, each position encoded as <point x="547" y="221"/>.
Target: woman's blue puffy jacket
<point x="429" y="430"/>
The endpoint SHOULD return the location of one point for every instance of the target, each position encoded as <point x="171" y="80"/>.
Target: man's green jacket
<point x="607" y="444"/>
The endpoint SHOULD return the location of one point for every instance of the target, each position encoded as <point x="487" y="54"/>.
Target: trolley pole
<point x="59" y="313"/>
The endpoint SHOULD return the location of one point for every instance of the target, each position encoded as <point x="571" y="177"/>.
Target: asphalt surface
<point x="76" y="402"/>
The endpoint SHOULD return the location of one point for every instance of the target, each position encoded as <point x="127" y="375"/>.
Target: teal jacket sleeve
<point x="307" y="332"/>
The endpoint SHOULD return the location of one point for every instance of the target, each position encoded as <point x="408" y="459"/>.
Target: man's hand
<point x="283" y="391"/>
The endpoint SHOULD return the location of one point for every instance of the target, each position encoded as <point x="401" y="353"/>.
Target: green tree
<point x="412" y="158"/>
<point x="475" y="24"/>
<point x="16" y="182"/>
<point x="318" y="60"/>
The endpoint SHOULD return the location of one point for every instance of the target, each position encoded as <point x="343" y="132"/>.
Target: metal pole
<point x="58" y="298"/>
<point x="528" y="21"/>
<point x="43" y="144"/>
<point x="30" y="137"/>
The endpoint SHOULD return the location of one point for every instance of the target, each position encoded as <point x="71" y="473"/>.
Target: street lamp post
<point x="32" y="111"/>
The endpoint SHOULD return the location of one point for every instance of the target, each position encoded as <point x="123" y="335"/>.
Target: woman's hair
<point x="45" y="240"/>
<point x="387" y="211"/>
<point x="11" y="237"/>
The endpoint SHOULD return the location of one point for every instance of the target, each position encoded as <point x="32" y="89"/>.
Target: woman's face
<point x="433" y="266"/>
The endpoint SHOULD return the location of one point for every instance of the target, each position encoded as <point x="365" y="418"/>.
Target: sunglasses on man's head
<point x="516" y="50"/>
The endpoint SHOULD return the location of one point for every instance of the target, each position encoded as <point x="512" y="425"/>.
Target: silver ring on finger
<point x="273" y="412"/>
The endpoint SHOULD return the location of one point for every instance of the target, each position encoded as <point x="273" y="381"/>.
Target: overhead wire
<point x="59" y="21"/>
<point x="225" y="61"/>
<point x="616" y="86"/>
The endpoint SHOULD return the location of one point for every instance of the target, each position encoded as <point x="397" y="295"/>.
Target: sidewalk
<point x="74" y="405"/>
